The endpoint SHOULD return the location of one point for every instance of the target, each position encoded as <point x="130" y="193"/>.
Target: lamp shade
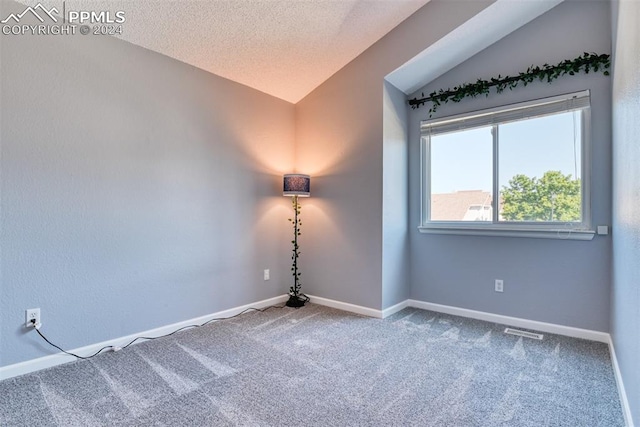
<point x="295" y="184"/>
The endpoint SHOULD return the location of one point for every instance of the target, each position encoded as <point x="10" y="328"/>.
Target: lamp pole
<point x="294" y="291"/>
<point x="296" y="233"/>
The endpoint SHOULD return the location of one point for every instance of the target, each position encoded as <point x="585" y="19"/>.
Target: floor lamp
<point x="296" y="185"/>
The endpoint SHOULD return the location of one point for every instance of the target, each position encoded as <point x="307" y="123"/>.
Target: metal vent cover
<point x="525" y="334"/>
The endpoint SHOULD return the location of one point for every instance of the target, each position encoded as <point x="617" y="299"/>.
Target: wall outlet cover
<point x="31" y="314"/>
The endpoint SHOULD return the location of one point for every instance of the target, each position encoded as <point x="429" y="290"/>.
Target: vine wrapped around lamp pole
<point x="296" y="185"/>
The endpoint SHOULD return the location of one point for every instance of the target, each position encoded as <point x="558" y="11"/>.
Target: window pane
<point x="461" y="175"/>
<point x="539" y="169"/>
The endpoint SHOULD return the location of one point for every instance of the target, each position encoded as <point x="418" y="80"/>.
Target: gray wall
<point x="137" y="191"/>
<point x="625" y="294"/>
<point x="339" y="141"/>
<point x="395" y="198"/>
<point x="562" y="282"/>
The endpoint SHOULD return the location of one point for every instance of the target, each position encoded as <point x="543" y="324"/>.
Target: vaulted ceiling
<point x="285" y="48"/>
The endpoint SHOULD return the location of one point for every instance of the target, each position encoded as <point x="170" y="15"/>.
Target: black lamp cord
<point x="116" y="348"/>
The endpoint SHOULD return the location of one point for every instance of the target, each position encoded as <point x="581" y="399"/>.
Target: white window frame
<point x="578" y="101"/>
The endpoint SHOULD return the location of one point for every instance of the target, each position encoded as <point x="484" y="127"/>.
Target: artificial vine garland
<point x="586" y="63"/>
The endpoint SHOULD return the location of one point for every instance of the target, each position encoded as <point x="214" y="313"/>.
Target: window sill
<point x="559" y="234"/>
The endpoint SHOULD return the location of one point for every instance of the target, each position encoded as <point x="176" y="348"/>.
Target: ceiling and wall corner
<point x="339" y="140"/>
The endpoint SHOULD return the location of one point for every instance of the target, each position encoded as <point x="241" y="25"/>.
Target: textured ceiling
<point x="285" y="48"/>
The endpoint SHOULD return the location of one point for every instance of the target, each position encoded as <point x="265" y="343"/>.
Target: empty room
<point x="320" y="213"/>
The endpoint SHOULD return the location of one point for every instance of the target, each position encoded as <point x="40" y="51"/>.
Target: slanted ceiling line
<point x="486" y="28"/>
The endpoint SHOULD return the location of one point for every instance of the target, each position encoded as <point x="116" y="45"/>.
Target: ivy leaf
<point x="587" y="62"/>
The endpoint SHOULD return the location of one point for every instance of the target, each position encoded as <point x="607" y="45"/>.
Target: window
<point x="519" y="170"/>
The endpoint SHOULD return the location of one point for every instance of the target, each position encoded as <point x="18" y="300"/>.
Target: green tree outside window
<point x="554" y="197"/>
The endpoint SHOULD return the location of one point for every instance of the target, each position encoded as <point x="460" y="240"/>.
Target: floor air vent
<point x="525" y="334"/>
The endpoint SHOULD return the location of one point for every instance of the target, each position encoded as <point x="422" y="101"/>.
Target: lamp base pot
<point x="295" y="301"/>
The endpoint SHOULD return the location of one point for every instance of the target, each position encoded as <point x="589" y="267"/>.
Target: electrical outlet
<point x="266" y="274"/>
<point x="499" y="285"/>
<point x="32" y="314"/>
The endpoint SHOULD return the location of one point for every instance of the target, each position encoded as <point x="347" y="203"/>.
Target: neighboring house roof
<point x="472" y="205"/>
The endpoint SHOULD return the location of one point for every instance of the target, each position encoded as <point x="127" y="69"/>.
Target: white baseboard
<point x="358" y="309"/>
<point x="395" y="308"/>
<point x="551" y="328"/>
<point x="345" y="306"/>
<point x="514" y="321"/>
<point x="61" y="358"/>
<point x="624" y="402"/>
